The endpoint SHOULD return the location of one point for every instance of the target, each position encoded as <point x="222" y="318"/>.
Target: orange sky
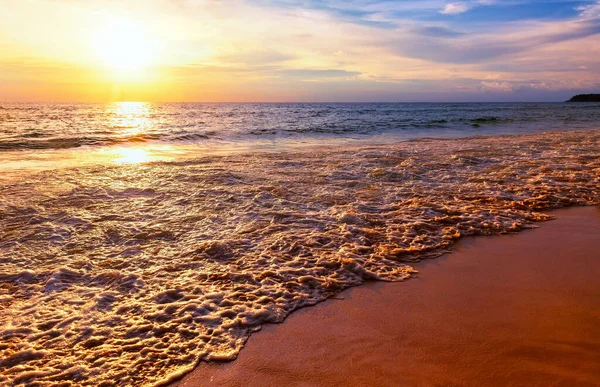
<point x="206" y="50"/>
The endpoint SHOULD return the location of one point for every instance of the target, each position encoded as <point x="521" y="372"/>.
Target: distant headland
<point x="585" y="98"/>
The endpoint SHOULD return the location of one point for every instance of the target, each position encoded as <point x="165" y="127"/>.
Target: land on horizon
<point x="585" y="98"/>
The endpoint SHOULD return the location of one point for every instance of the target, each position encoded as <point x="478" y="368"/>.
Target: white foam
<point x="134" y="273"/>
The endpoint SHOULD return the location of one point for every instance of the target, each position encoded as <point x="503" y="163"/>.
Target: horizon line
<point x="269" y="102"/>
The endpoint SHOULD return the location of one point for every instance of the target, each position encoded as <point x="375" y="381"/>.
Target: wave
<point x="208" y="250"/>
<point x="35" y="141"/>
<point x="480" y="120"/>
<point x="189" y="136"/>
<point x="56" y="126"/>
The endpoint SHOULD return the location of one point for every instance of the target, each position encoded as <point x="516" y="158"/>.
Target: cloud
<point x="589" y="11"/>
<point x="319" y="74"/>
<point x="366" y="13"/>
<point x="255" y="57"/>
<point x="504" y="87"/>
<point x="264" y="71"/>
<point x="470" y="49"/>
<point x="455" y="8"/>
<point x="337" y="49"/>
<point x="510" y="86"/>
<point x="437" y="31"/>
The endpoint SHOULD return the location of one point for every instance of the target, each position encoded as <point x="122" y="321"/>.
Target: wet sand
<point x="521" y="309"/>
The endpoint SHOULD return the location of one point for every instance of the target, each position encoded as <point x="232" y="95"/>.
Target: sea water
<point x="210" y="220"/>
<point x="275" y="125"/>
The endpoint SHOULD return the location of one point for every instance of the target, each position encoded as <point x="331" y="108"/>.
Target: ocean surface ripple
<point x="70" y="126"/>
<point x="132" y="274"/>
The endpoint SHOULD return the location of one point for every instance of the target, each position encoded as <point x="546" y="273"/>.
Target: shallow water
<point x="134" y="272"/>
<point x="52" y="135"/>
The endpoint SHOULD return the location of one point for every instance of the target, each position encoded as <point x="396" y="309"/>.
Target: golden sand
<point x="519" y="310"/>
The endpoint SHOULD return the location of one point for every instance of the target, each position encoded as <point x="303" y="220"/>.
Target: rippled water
<point x="131" y="273"/>
<point x="67" y="126"/>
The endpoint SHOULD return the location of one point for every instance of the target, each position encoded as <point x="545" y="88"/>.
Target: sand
<point x="521" y="309"/>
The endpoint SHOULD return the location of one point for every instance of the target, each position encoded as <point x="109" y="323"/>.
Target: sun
<point x="125" y="46"/>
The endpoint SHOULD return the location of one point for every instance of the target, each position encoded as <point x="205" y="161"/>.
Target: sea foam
<point x="132" y="274"/>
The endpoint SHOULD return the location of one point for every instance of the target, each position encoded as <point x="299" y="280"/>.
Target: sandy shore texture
<point x="519" y="309"/>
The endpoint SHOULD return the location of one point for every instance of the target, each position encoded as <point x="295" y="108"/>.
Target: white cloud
<point x="590" y="11"/>
<point x="496" y="86"/>
<point x="455" y="8"/>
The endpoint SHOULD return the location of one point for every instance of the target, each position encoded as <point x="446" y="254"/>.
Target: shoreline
<point x="146" y="153"/>
<point x="210" y="250"/>
<point x="519" y="308"/>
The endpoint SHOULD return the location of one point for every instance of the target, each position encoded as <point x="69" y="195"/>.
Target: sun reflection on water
<point x="132" y="156"/>
<point x="140" y="155"/>
<point x="130" y="118"/>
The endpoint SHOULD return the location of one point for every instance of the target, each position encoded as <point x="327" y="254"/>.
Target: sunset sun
<point x="124" y="46"/>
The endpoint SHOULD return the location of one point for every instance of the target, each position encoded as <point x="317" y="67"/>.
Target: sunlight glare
<point x="125" y="46"/>
<point x="130" y="118"/>
<point x="132" y="156"/>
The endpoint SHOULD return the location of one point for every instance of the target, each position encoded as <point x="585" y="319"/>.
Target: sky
<point x="298" y="50"/>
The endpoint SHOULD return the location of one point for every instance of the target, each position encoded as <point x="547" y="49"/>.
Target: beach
<point x="302" y="193"/>
<point x="136" y="272"/>
<point x="516" y="310"/>
<point x="299" y="193"/>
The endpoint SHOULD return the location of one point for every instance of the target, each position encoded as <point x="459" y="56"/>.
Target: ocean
<point x="137" y="240"/>
<point x="275" y="126"/>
